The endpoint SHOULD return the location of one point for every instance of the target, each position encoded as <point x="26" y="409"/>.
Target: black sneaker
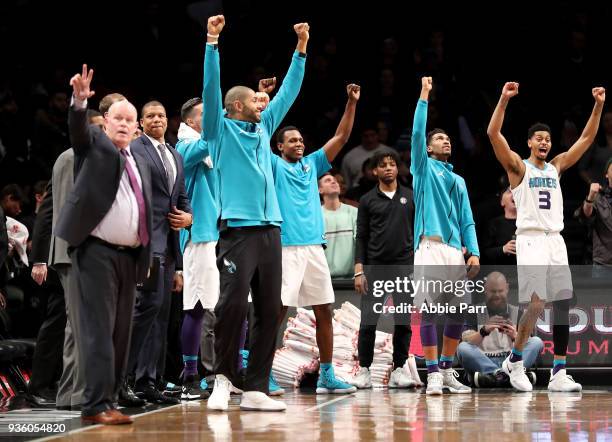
<point x="191" y="389"/>
<point x="168" y="388"/>
<point x="532" y="377"/>
<point x="498" y="379"/>
<point x="154" y="396"/>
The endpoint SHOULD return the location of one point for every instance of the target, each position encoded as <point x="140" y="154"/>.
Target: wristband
<point x="357" y="274"/>
<point x="587" y="200"/>
<point x="212" y="35"/>
<point x="178" y="272"/>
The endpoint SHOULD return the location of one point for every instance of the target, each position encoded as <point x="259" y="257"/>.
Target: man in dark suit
<point x="171" y="212"/>
<point x="106" y="221"/>
<point x="47" y="247"/>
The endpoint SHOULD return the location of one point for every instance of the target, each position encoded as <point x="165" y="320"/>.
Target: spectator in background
<point x="95" y="118"/>
<point x="597" y="156"/>
<point x="11" y="198"/>
<point x="50" y="136"/>
<point x="352" y="163"/>
<point x="500" y="243"/>
<point x="367" y="181"/>
<point x="490" y="337"/>
<point x="3" y="256"/>
<point x="596" y="211"/>
<point x="340" y="228"/>
<point x="39" y="190"/>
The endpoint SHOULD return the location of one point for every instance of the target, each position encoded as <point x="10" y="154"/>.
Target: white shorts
<point x="306" y="277"/>
<point x="436" y="263"/>
<point x="543" y="267"/>
<point x="200" y="275"/>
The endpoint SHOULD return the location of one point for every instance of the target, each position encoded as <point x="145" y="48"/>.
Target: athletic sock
<point x="558" y="364"/>
<point x="191" y="365"/>
<point x="446" y="362"/>
<point x="516" y="355"/>
<point x="432" y="366"/>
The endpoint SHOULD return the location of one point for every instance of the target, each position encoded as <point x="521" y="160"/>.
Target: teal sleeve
<point x="418" y="146"/>
<point x="193" y="152"/>
<point x="212" y="111"/>
<point x="319" y="159"/>
<point x="468" y="227"/>
<point x="273" y="115"/>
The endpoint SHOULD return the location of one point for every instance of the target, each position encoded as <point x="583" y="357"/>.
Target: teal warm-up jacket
<point x="442" y="205"/>
<point x="241" y="151"/>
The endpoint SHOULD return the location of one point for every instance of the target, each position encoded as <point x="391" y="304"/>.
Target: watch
<point x="483" y="332"/>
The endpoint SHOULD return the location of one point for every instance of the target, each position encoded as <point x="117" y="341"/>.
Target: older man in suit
<point x="47" y="248"/>
<point x="106" y="221"/>
<point x="171" y="212"/>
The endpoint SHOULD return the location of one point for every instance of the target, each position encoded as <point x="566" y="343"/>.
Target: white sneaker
<point x="561" y="381"/>
<point x="516" y="371"/>
<point x="362" y="379"/>
<point x="219" y="398"/>
<point x="435" y="381"/>
<point x="400" y="378"/>
<point x="258" y="401"/>
<point x="450" y="381"/>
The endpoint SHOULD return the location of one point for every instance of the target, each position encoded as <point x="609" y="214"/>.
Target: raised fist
<point x="215" y="24"/>
<point x="595" y="188"/>
<point x="599" y="94"/>
<point x="353" y="91"/>
<point x="301" y="29"/>
<point x="426" y="83"/>
<point x="267" y="85"/>
<point x="510" y="89"/>
<point x="80" y="84"/>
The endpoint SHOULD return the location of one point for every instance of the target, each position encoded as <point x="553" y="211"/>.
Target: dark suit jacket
<point x="98" y="167"/>
<point x="164" y="239"/>
<point x="3" y="249"/>
<point x="41" y="236"/>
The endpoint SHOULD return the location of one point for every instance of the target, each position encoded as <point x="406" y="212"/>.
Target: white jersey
<point x="538" y="199"/>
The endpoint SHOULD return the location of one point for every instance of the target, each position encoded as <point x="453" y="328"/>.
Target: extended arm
<point x="510" y="161"/>
<point x="343" y="132"/>
<point x="272" y="116"/>
<point x="419" y="125"/>
<point x="567" y="159"/>
<point x="212" y="111"/>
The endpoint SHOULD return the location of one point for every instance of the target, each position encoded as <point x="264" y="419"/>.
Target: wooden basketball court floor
<point x="485" y="415"/>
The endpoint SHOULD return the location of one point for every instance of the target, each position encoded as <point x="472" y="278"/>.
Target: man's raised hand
<point x="301" y="29"/>
<point x="353" y="91"/>
<point x="599" y="93"/>
<point x="426" y="84"/>
<point x="215" y="24"/>
<point x="80" y="84"/>
<point x="510" y="89"/>
<point x="267" y="85"/>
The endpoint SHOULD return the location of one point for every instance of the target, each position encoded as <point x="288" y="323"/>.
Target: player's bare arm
<point x="510" y="160"/>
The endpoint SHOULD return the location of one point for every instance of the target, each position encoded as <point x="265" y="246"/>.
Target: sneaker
<point x="435" y="381"/>
<point x="329" y="383"/>
<point x="171" y="389"/>
<point x="561" y="381"/>
<point x="192" y="390"/>
<point x="219" y="398"/>
<point x="401" y="378"/>
<point x="532" y="377"/>
<point x="362" y="379"/>
<point x="499" y="379"/>
<point x="151" y="394"/>
<point x="450" y="381"/>
<point x="516" y="371"/>
<point x="258" y="401"/>
<point x="273" y="388"/>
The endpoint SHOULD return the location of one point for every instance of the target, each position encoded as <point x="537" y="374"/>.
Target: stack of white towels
<point x="300" y="355"/>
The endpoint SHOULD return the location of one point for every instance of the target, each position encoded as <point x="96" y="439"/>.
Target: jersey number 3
<point x="544" y="199"/>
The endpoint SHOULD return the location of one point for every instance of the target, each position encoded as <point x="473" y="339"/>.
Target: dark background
<point x="154" y="50"/>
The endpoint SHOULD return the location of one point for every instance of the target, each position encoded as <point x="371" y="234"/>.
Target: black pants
<point x="105" y="284"/>
<point x="248" y="258"/>
<point x="148" y="345"/>
<point x="370" y="313"/>
<point x="47" y="359"/>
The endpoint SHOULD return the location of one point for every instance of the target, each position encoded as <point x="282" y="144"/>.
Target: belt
<point x="118" y="248"/>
